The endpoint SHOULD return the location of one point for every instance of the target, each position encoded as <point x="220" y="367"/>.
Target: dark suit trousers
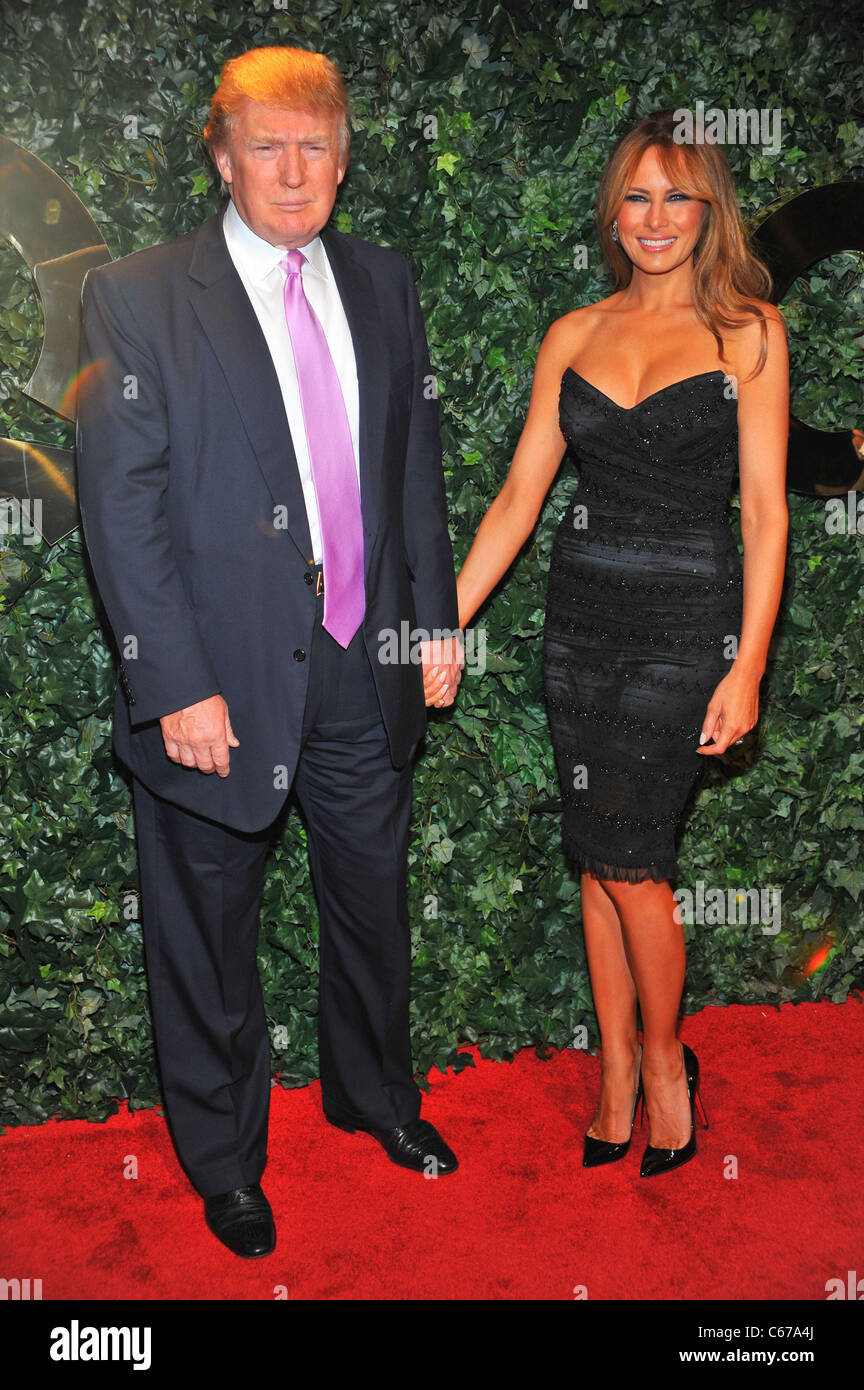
<point x="201" y="889"/>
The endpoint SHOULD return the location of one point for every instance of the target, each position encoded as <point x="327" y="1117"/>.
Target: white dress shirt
<point x="257" y="263"/>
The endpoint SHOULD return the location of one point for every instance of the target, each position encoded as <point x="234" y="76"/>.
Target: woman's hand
<point x="443" y="660"/>
<point x="733" y="711"/>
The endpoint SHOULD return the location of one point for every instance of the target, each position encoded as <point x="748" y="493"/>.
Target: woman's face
<point x="658" y="226"/>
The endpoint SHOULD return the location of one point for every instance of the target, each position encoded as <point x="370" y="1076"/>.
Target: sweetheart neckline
<point x="628" y="409"/>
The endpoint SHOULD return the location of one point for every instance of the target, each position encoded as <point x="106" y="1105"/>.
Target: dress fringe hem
<point x="659" y="872"/>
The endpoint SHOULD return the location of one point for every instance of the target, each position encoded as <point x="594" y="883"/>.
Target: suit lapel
<point x="222" y="306"/>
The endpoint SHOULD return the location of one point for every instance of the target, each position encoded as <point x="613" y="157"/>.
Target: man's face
<point x="283" y="169"/>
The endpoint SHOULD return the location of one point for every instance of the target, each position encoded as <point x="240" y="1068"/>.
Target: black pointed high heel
<point x="664" y="1160"/>
<point x="599" y="1151"/>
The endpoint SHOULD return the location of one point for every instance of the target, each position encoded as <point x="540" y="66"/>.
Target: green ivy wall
<point x="490" y="200"/>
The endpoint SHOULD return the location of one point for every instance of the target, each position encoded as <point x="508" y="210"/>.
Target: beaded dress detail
<point x="645" y="590"/>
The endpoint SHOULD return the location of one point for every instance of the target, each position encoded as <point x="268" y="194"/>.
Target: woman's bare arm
<point x="763" y="427"/>
<point x="513" y="514"/>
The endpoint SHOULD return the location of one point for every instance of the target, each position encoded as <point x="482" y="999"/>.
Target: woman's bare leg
<point x="654" y="946"/>
<point x="615" y="1005"/>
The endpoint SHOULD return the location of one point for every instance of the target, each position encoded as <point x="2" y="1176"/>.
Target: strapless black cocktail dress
<point x="643" y="615"/>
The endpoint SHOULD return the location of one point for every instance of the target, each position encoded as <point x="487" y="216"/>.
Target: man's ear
<point x="223" y="163"/>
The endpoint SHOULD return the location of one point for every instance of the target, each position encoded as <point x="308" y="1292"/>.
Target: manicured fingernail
<point x="703" y="738"/>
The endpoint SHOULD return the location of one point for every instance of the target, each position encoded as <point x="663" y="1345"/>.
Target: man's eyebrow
<point x="266" y="138"/>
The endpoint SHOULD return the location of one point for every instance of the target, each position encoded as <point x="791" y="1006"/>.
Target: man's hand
<point x="200" y="735"/>
<point x="443" y="659"/>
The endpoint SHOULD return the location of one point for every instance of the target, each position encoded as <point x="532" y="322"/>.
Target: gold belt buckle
<point x="319" y="584"/>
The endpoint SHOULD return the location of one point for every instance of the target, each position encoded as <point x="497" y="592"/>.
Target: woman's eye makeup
<point x="642" y="198"/>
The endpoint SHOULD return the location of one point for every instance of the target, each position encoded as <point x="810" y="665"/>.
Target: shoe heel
<point x="698" y="1099"/>
<point x="691" y="1065"/>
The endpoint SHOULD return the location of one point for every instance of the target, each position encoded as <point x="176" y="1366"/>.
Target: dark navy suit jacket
<point x="194" y="516"/>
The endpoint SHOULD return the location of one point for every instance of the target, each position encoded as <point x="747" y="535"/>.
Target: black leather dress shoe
<point x="416" y="1145"/>
<point x="242" y="1220"/>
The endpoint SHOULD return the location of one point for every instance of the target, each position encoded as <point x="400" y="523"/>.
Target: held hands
<point x="199" y="735"/>
<point x="732" y="711"/>
<point x="443" y="660"/>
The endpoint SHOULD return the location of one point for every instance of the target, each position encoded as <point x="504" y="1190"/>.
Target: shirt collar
<point x="259" y="257"/>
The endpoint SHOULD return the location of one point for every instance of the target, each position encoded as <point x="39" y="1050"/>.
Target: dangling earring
<point x="615" y="230"/>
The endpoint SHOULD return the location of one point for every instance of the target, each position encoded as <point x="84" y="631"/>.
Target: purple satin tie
<point x="331" y="454"/>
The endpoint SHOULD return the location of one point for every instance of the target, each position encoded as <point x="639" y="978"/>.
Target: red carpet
<point x="521" y="1219"/>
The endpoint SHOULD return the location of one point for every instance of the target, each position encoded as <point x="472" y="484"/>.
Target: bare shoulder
<point x="749" y="320"/>
<point x="566" y="336"/>
<point x="755" y="310"/>
<point x="745" y="338"/>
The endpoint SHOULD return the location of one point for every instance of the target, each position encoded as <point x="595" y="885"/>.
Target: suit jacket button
<point x="299" y="655"/>
<point x="307" y="578"/>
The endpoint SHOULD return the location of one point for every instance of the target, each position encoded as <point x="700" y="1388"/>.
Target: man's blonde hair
<point x="291" y="78"/>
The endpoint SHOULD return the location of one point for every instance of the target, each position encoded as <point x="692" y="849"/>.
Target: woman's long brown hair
<point x="727" y="276"/>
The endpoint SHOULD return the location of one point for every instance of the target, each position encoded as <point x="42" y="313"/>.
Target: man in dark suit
<point x="262" y="498"/>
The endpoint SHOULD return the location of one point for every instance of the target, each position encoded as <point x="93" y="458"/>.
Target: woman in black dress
<point x="655" y="641"/>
